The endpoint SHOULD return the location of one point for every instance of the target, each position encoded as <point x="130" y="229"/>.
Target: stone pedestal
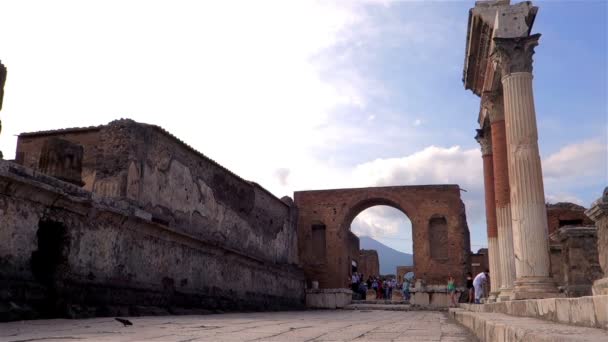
<point x="599" y="213"/>
<point x="485" y="140"/>
<point x="578" y="259"/>
<point x="528" y="211"/>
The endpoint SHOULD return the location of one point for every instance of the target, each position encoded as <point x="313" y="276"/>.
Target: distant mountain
<point x="389" y="258"/>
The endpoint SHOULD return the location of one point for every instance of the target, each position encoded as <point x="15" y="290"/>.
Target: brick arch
<point x="338" y="208"/>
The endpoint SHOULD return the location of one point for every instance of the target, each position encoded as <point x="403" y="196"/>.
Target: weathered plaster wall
<point x="337" y="208"/>
<point x="67" y="251"/>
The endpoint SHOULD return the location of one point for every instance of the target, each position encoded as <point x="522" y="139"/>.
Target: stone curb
<point x="497" y="327"/>
<point x="589" y="311"/>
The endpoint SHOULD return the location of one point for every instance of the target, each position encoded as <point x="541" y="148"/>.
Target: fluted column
<point x="528" y="211"/>
<point x="599" y="213"/>
<point x="492" y="103"/>
<point x="485" y="140"/>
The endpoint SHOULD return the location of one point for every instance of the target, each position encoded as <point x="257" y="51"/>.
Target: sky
<point x="303" y="95"/>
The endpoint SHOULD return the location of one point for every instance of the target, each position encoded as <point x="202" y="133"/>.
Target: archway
<point x="440" y="236"/>
<point x="388" y="231"/>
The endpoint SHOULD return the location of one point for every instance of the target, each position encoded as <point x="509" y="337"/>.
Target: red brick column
<point x="485" y="140"/>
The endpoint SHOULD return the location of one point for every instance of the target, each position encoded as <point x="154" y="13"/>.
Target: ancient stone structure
<point x="599" y="213"/>
<point x="164" y="227"/>
<point x="2" y="82"/>
<point x="576" y="266"/>
<point x="564" y="214"/>
<point x="439" y="230"/>
<point x="369" y="264"/>
<point x="498" y="68"/>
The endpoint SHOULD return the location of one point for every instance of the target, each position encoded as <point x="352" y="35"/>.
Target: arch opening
<point x="387" y="230"/>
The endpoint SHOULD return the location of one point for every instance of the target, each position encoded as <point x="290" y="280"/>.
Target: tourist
<point x="406" y="288"/>
<point x="452" y="291"/>
<point x="369" y="282"/>
<point x="354" y="282"/>
<point x="478" y="283"/>
<point x="392" y="283"/>
<point x="470" y="287"/>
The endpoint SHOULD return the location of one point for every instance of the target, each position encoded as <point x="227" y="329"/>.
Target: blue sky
<point x="304" y="95"/>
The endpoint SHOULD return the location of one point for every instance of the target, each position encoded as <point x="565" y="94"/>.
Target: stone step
<point x="490" y="327"/>
<point x="381" y="301"/>
<point x="589" y="311"/>
<point x="388" y="307"/>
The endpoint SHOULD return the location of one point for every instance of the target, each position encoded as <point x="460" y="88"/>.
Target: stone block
<point x="439" y="300"/>
<point x="420" y="298"/>
<point x="562" y="309"/>
<point x="582" y="311"/>
<point x="600" y="305"/>
<point x="518" y="308"/>
<point x="479" y="327"/>
<point x="547" y="308"/>
<point x="495" y="332"/>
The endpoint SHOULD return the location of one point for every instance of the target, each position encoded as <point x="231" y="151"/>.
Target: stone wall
<point x="566" y="214"/>
<point x="577" y="264"/>
<point x="163" y="226"/>
<point x="369" y="264"/>
<point x="178" y="186"/>
<point x="424" y="205"/>
<point x="71" y="253"/>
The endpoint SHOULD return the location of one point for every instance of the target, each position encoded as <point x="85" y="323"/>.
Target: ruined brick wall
<point x="369" y="264"/>
<point x="566" y="214"/>
<point x="67" y="252"/>
<point x="179" y="187"/>
<point x="336" y="209"/>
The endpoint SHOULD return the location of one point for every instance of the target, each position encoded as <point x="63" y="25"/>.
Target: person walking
<point x="478" y="283"/>
<point x="470" y="287"/>
<point x="406" y="289"/>
<point x="452" y="291"/>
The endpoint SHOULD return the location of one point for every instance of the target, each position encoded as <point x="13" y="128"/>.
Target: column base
<point x="505" y="295"/>
<point x="600" y="287"/>
<point x="493" y="297"/>
<point x="535" y="288"/>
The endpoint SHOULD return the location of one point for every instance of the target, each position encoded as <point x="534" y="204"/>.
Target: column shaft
<point x="493" y="249"/>
<point x="503" y="208"/>
<point x="528" y="211"/>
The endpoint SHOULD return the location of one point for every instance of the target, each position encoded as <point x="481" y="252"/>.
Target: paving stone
<point x="293" y="326"/>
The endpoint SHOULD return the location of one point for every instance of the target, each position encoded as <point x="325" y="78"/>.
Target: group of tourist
<point x="384" y="288"/>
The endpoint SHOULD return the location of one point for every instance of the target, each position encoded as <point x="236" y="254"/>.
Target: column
<point x="485" y="140"/>
<point x="492" y="103"/>
<point x="599" y="213"/>
<point x="528" y="211"/>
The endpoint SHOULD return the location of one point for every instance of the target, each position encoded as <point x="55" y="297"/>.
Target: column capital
<point x="492" y="103"/>
<point x="514" y="54"/>
<point x="484" y="138"/>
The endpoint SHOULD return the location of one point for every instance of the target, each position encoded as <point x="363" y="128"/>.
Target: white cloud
<point x="564" y="197"/>
<point x="417" y="122"/>
<point x="578" y="162"/>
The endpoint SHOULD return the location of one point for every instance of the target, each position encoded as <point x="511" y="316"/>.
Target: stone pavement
<point x="336" y="325"/>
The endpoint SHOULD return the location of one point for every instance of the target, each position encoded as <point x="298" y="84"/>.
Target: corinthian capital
<point x="514" y="54"/>
<point x="484" y="139"/>
<point x="491" y="102"/>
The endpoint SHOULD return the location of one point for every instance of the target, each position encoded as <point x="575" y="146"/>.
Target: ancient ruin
<point x="155" y="227"/>
<point x="439" y="229"/>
